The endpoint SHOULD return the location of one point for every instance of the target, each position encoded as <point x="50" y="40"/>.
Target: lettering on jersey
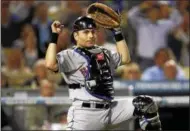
<point x="100" y="56"/>
<point x="84" y="71"/>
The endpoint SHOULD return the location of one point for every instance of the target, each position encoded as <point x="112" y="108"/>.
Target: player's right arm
<point x="50" y="58"/>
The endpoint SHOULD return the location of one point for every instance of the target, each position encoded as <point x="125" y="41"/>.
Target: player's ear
<point x="75" y="34"/>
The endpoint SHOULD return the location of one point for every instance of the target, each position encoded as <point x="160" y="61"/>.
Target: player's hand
<point x="56" y="27"/>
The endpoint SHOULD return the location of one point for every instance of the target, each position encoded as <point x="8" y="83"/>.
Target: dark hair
<point x="73" y="39"/>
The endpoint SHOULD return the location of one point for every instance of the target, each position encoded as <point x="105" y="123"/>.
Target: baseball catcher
<point x="88" y="70"/>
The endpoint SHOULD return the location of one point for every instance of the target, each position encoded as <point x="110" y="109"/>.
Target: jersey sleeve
<point x="65" y="61"/>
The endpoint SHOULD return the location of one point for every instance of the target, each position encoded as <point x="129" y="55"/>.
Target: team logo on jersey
<point x="84" y="71"/>
<point x="100" y="56"/>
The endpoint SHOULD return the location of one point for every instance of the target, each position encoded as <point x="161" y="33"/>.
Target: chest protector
<point x="99" y="72"/>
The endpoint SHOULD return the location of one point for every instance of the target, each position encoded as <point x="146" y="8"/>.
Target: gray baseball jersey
<point x="74" y="67"/>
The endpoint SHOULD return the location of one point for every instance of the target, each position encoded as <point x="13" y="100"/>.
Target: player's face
<point x="86" y="38"/>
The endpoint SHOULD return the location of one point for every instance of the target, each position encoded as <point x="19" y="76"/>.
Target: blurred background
<point x="157" y="33"/>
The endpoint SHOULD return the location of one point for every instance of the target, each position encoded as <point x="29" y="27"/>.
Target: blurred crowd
<point x="157" y="33"/>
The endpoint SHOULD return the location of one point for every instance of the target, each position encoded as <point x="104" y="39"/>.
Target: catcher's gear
<point x="147" y="111"/>
<point x="81" y="23"/>
<point x="104" y="16"/>
<point x="99" y="81"/>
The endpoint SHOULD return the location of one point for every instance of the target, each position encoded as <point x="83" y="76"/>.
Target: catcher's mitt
<point x="103" y="15"/>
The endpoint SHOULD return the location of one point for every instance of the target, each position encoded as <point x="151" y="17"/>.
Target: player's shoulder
<point x="109" y="51"/>
<point x="103" y="48"/>
<point x="70" y="51"/>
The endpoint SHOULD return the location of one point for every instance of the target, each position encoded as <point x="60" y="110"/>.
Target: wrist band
<point x="118" y="34"/>
<point x="118" y="37"/>
<point x="54" y="37"/>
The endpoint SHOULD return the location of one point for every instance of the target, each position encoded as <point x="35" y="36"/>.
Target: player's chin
<point x="90" y="44"/>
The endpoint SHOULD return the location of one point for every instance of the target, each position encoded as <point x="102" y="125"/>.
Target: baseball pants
<point x="90" y="115"/>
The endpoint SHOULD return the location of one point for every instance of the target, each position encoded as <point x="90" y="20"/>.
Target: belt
<point x="96" y="105"/>
<point x="74" y="86"/>
<point x="89" y="83"/>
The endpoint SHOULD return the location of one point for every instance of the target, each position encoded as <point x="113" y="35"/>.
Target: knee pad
<point x="147" y="112"/>
<point x="144" y="105"/>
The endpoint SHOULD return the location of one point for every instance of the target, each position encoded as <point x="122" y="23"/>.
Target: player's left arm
<point x="121" y="45"/>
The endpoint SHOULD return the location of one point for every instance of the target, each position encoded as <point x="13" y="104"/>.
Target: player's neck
<point x="79" y="46"/>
